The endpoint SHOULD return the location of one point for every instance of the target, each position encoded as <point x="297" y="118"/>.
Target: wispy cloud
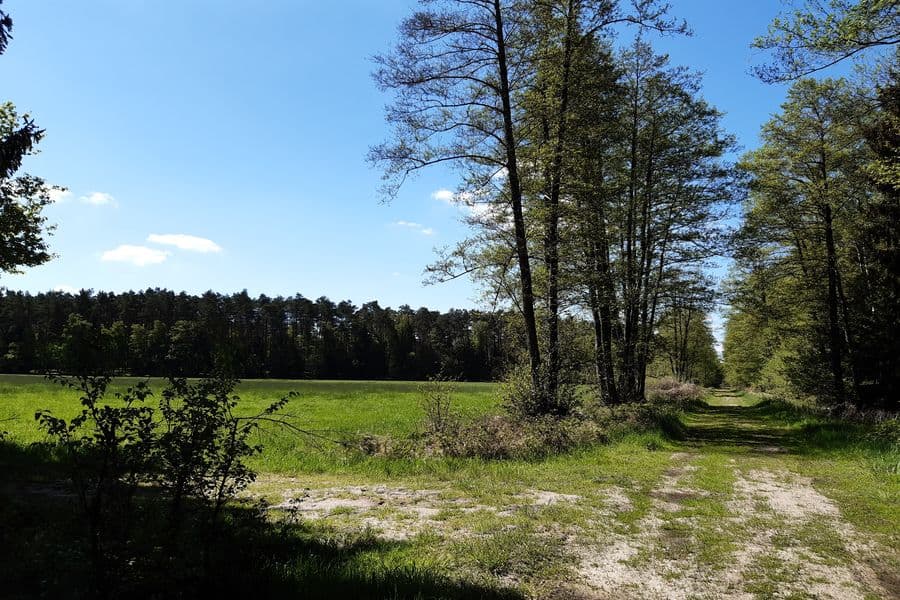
<point x="59" y="195"/>
<point x="185" y="242"/>
<point x="415" y="227"/>
<point x="99" y="199"/>
<point x="140" y="256"/>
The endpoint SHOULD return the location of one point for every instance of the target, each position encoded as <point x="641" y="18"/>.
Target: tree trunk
<point x="601" y="312"/>
<point x="515" y="192"/>
<point x="552" y="226"/>
<point x="834" y="328"/>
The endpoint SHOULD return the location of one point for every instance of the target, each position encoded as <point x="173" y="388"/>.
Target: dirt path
<point x="730" y="519"/>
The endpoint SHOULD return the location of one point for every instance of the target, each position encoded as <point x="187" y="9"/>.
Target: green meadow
<point x="331" y="411"/>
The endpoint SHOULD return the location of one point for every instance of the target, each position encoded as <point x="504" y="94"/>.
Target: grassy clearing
<point x="744" y="496"/>
<point x="332" y="409"/>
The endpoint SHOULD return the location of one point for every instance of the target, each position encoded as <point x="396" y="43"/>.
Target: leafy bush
<point x="201" y="450"/>
<point x="520" y="399"/>
<point x="189" y="454"/>
<point x="108" y="453"/>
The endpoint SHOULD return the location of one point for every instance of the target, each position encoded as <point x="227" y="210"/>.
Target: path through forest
<point x="735" y="516"/>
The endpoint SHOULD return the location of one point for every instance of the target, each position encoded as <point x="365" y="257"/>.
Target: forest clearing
<point x="526" y="299"/>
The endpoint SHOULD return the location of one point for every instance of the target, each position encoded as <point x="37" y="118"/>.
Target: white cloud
<point x="444" y="195"/>
<point x="66" y="289"/>
<point x="415" y="227"/>
<point x="185" y="242"/>
<point x="477" y="204"/>
<point x="59" y="195"/>
<point x="140" y="256"/>
<point x="99" y="199"/>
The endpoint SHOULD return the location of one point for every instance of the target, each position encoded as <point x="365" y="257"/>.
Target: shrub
<point x="621" y="419"/>
<point x="519" y="434"/>
<point x="508" y="437"/>
<point x="520" y="399"/>
<point x="441" y="420"/>
<point x="887" y="432"/>
<point x="671" y="391"/>
<point x="190" y="447"/>
<point x="108" y="453"/>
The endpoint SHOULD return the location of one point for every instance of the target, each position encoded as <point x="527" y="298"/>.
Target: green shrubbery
<point x="173" y="466"/>
<point x="516" y="434"/>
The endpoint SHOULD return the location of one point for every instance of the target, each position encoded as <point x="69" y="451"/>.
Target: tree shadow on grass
<point x="44" y="551"/>
<point x="772" y="427"/>
<point x="738" y="426"/>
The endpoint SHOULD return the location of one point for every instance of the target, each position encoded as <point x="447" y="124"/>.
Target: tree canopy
<point x="825" y="32"/>
<point x="23" y="227"/>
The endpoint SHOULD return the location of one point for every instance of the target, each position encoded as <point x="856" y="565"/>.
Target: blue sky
<point x="246" y="125"/>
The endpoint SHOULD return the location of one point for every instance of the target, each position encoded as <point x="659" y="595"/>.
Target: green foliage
<point x="193" y="448"/>
<point x="825" y="32"/>
<point x="816" y="269"/>
<point x="23" y="227"/>
<point x="203" y="445"/>
<point x="685" y="348"/>
<point x="107" y="453"/>
<point x="157" y="332"/>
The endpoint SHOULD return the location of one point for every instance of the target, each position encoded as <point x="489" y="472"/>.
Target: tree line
<point x="160" y="332"/>
<point x="816" y="285"/>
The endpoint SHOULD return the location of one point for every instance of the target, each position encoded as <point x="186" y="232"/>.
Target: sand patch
<point x="772" y="507"/>
<point x="546" y="498"/>
<point x="787" y="495"/>
<point x="615" y="498"/>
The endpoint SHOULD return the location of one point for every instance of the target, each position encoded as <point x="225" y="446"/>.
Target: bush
<point x="441" y="421"/>
<point x="671" y="391"/>
<point x="504" y="436"/>
<point x="518" y="434"/>
<point x="189" y="454"/>
<point x="887" y="431"/>
<point x="507" y="437"/>
<point x="520" y="399"/>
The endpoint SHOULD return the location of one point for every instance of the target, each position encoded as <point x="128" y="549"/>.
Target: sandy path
<point x="772" y="513"/>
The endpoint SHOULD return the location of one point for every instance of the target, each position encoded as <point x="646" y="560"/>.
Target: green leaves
<point x="824" y="33"/>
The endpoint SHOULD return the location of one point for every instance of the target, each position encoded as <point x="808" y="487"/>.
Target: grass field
<point x="332" y="409"/>
<point x="756" y="500"/>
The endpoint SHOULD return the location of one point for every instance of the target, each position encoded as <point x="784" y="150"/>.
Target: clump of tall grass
<point x="671" y="391"/>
